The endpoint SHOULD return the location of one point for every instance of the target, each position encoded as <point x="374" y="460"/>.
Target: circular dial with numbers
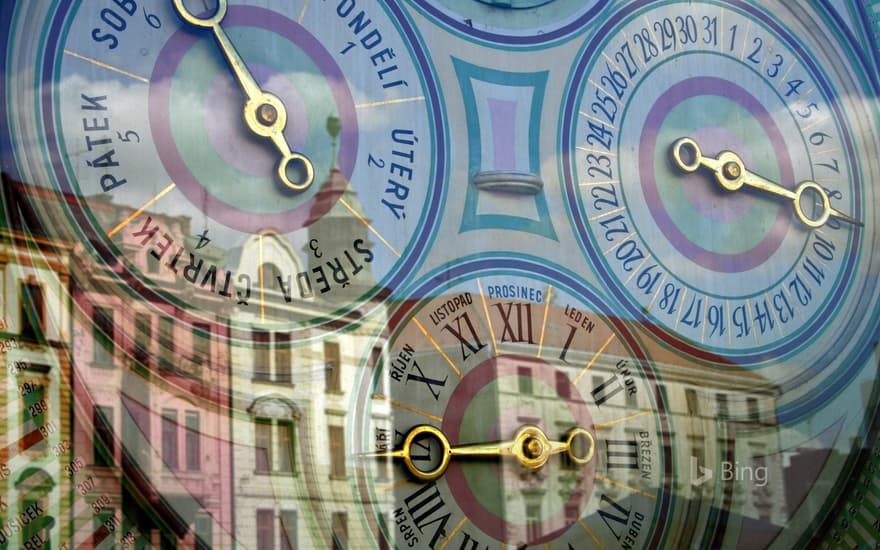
<point x="245" y="154"/>
<point x="719" y="177"/>
<point x="511" y="408"/>
<point x="514" y="22"/>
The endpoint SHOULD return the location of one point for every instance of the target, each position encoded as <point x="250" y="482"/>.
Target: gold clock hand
<point x="732" y="175"/>
<point x="264" y="112"/>
<point x="530" y="447"/>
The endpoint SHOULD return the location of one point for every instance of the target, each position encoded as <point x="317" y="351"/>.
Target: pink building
<point x="151" y="453"/>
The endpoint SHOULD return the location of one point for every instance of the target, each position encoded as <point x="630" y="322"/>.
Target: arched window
<point x="269" y="274"/>
<point x="274" y="421"/>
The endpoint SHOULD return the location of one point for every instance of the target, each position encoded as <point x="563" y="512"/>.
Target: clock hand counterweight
<point x="530" y="447"/>
<point x="732" y="175"/>
<point x="264" y="112"/>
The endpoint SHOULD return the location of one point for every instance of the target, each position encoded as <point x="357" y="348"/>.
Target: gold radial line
<point x="610" y="212"/>
<point x="140" y="210"/>
<point x="827" y="151"/>
<point x="593" y="359"/>
<point x="617" y="245"/>
<point x="302" y="13"/>
<point x="591" y="533"/>
<point x="636" y="270"/>
<point x="400" y="405"/>
<point x="544" y="322"/>
<point x="602" y="182"/>
<point x="369" y="226"/>
<point x="594" y="118"/>
<point x="454" y="531"/>
<point x="395" y="485"/>
<point x="785" y="76"/>
<point x="486" y="313"/>
<point x="597" y="151"/>
<point x="437" y="347"/>
<point x="625" y="486"/>
<point x="389" y="102"/>
<point x="610" y="423"/>
<point x="260" y="277"/>
<point x="103" y="65"/>
<point x="812" y="125"/>
<point x="653" y="35"/>
<point x="598" y="87"/>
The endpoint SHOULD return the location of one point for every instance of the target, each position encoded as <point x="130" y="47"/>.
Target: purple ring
<point x="498" y="527"/>
<point x="230" y="215"/>
<point x="724" y="263"/>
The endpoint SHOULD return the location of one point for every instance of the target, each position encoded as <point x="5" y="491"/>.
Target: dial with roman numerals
<point x="480" y="356"/>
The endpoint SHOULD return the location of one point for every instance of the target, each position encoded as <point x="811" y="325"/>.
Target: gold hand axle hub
<point x="732" y="175"/>
<point x="530" y="447"/>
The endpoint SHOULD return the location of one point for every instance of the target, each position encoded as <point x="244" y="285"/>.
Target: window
<point x="285" y="446"/>
<point x="375" y="356"/>
<point x="193" y="442"/>
<point x="33" y="311"/>
<point x="100" y="523"/>
<point x="103" y="443"/>
<point x="282" y="358"/>
<point x="754" y="413"/>
<point x="274" y="446"/>
<point x="102" y="336"/>
<point x="272" y="349"/>
<point x="137" y="429"/>
<point x="201" y="334"/>
<point x="152" y="263"/>
<point x="336" y="434"/>
<point x="332" y="367"/>
<point x="263" y="445"/>
<point x="723" y="409"/>
<point x="340" y="530"/>
<point x="143" y="334"/>
<point x="563" y="386"/>
<point x="265" y="530"/>
<point x="632" y="398"/>
<point x="533" y="521"/>
<point x="262" y="366"/>
<point x="169" y="438"/>
<point x="166" y="342"/>
<point x="269" y="274"/>
<point x="698" y="446"/>
<point x="288" y="529"/>
<point x="690" y="396"/>
<point x="524" y="378"/>
<point x="203" y="531"/>
<point x="34" y="416"/>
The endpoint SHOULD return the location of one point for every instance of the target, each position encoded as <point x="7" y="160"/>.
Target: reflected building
<point x="225" y="430"/>
<point x="36" y="423"/>
<point x="151" y="391"/>
<point x="292" y="396"/>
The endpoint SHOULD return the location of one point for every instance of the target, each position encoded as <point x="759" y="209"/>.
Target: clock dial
<point x="439" y="274"/>
<point x="516" y="22"/>
<point x="718" y="177"/>
<point x="511" y="408"/>
<point x="191" y="138"/>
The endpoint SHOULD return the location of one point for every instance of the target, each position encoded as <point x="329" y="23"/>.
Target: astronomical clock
<point x="440" y="274"/>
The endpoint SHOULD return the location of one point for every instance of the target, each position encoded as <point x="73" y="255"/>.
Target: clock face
<point x="176" y="159"/>
<point x="752" y="266"/>
<point x="506" y="351"/>
<point x="513" y="23"/>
